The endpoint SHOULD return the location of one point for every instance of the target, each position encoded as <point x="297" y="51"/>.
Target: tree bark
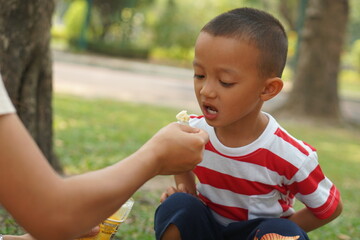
<point x="315" y="89"/>
<point x="26" y="66"/>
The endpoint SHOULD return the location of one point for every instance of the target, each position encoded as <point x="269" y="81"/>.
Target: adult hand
<point x="92" y="233"/>
<point x="177" y="148"/>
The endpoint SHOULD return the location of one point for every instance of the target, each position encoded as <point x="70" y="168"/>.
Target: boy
<point x="252" y="169"/>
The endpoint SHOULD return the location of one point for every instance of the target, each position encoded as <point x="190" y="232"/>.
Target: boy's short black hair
<point x="258" y="28"/>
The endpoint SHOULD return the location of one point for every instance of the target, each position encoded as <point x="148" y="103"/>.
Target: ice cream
<point x="183" y="117"/>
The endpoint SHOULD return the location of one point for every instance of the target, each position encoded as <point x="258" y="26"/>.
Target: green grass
<point x="91" y="134"/>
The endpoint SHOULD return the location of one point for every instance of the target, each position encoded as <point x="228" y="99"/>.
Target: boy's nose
<point x="208" y="89"/>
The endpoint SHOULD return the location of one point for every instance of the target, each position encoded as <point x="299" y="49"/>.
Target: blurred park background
<point x="92" y="80"/>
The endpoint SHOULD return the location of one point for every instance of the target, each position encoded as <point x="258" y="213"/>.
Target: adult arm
<point x="51" y="207"/>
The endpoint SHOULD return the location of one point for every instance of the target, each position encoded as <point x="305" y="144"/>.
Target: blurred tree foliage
<point x="167" y="29"/>
<point x="120" y="13"/>
<point x="112" y="27"/>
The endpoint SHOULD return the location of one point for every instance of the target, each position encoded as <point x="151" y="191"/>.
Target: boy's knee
<point x="180" y="201"/>
<point x="178" y="204"/>
<point x="174" y="212"/>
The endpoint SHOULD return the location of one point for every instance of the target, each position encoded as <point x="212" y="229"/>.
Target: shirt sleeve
<point x="314" y="189"/>
<point x="5" y="103"/>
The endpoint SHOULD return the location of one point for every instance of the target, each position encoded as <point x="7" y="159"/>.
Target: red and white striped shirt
<point x="262" y="179"/>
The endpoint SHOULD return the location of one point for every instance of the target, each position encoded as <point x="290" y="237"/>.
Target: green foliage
<point x="183" y="56"/>
<point x="354" y="21"/>
<point x="349" y="83"/>
<point x="355" y="55"/>
<point x="114" y="49"/>
<point x="74" y="20"/>
<point x="160" y="24"/>
<point x="172" y="28"/>
<point x="176" y="25"/>
<point x="170" y="25"/>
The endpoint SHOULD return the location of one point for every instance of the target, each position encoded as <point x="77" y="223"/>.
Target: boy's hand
<point x="171" y="190"/>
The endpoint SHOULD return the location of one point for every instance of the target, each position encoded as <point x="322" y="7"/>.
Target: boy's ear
<point x="272" y="87"/>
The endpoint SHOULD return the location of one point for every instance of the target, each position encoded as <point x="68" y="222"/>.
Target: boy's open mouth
<point x="210" y="111"/>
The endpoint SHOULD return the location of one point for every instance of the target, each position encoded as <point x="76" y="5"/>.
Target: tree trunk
<point x="26" y="66"/>
<point x="315" y="89"/>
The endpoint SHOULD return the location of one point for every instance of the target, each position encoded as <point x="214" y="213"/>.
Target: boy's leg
<point x="263" y="229"/>
<point x="186" y="215"/>
<point x="172" y="233"/>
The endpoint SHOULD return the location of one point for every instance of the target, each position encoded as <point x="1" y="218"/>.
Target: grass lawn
<point x="91" y="134"/>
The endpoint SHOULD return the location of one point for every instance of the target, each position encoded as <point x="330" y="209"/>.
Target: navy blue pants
<point x="195" y="222"/>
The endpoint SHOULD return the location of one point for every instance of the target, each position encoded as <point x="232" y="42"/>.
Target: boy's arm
<point x="186" y="182"/>
<point x="308" y="221"/>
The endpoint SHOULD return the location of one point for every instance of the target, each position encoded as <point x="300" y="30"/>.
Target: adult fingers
<point x="187" y="128"/>
<point x="204" y="135"/>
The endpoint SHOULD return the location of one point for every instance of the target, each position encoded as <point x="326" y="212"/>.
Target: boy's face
<point x="226" y="80"/>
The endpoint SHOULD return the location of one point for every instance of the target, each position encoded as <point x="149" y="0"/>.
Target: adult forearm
<point x="89" y="198"/>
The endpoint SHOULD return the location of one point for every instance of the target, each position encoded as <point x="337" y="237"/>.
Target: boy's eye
<point x="199" y="76"/>
<point x="225" y="84"/>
